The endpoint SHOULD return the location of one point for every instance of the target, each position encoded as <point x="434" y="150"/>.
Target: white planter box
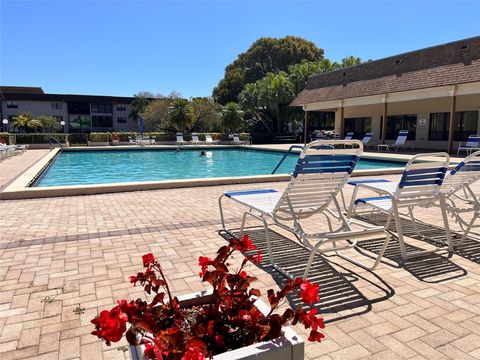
<point x="290" y="346"/>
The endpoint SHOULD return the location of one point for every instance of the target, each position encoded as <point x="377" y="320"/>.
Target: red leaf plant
<point x="229" y="321"/>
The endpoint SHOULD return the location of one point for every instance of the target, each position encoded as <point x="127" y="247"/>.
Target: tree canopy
<point x="264" y="56"/>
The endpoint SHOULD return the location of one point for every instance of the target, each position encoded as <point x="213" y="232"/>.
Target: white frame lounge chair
<point x="179" y="137"/>
<point x="418" y="187"/>
<point x="209" y="140"/>
<point x="399" y="143"/>
<point x="472" y="144"/>
<point x="236" y="140"/>
<point x="319" y="175"/>
<point x="195" y="139"/>
<point x="457" y="191"/>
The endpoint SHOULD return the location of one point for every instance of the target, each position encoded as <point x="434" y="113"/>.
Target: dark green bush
<point x="40" y="138"/>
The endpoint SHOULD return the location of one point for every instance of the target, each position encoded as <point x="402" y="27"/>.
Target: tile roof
<point x="443" y="65"/>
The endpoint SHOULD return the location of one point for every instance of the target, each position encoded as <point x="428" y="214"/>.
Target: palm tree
<point x="232" y="116"/>
<point x="26" y="123"/>
<point x="181" y="114"/>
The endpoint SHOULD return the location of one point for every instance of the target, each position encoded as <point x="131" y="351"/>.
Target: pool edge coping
<point x="19" y="188"/>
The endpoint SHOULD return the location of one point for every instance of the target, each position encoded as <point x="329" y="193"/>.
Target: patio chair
<point x="209" y="139"/>
<point x="399" y="143"/>
<point x="419" y="187"/>
<point x="367" y="139"/>
<point x="349" y="136"/>
<point x="236" y="140"/>
<point x="319" y="175"/>
<point x="195" y="139"/>
<point x="472" y="144"/>
<point x="180" y="138"/>
<point x="457" y="191"/>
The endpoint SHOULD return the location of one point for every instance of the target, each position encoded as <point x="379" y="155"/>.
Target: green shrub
<point x="77" y="139"/>
<point x="124" y="135"/>
<point x="100" y="137"/>
<point x="40" y="138"/>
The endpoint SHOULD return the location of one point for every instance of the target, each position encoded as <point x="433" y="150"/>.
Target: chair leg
<point x="443" y="206"/>
<point x="398" y="223"/>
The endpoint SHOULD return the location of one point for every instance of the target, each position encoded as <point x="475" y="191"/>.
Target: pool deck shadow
<point x="341" y="296"/>
<point x="432" y="268"/>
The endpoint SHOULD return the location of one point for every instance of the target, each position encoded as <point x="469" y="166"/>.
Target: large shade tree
<point x="264" y="56"/>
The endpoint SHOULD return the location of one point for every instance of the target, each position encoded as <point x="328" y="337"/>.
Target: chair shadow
<point x="338" y="295"/>
<point x="431" y="268"/>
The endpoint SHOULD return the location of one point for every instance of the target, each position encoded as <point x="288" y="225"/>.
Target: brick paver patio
<point x="62" y="260"/>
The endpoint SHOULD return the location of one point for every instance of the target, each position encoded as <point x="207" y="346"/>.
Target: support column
<point x="342" y="121"/>
<point x="384" y="123"/>
<point x="453" y="119"/>
<point x="305" y="123"/>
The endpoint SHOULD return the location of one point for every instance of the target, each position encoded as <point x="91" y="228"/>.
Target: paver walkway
<point x="62" y="260"/>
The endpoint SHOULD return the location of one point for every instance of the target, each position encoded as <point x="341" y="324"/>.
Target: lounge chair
<point x="209" y="139"/>
<point x="461" y="201"/>
<point x="472" y="144"/>
<point x="131" y="141"/>
<point x="195" y="139"/>
<point x="419" y="187"/>
<point x="367" y="139"/>
<point x="399" y="143"/>
<point x="349" y="136"/>
<point x="180" y="138"/>
<point x="236" y="140"/>
<point x="319" y="175"/>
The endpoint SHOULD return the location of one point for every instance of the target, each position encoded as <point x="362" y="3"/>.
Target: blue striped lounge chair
<point x="399" y="143"/>
<point x="367" y="139"/>
<point x="322" y="169"/>
<point x="472" y="144"/>
<point x="462" y="203"/>
<point x="419" y="186"/>
<point x="349" y="136"/>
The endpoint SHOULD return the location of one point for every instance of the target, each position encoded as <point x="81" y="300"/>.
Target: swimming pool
<point x="120" y="166"/>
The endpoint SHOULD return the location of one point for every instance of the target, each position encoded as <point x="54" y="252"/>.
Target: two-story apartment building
<point x="81" y="113"/>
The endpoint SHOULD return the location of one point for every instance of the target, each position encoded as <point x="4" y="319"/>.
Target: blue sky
<point x="122" y="47"/>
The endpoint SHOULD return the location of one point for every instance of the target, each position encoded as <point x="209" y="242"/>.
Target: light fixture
<point x="62" y="123"/>
<point x="5" y="121"/>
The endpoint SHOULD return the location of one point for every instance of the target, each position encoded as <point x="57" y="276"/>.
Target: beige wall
<point x="422" y="108"/>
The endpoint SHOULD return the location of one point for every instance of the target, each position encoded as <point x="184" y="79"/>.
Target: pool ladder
<point x="285" y="156"/>
<point x="53" y="139"/>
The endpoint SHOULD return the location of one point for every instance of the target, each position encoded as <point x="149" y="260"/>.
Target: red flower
<point x="309" y="292"/>
<point x="243" y="274"/>
<point x="133" y="279"/>
<point x="258" y="259"/>
<point x="247" y="243"/>
<point x="110" y="325"/>
<point x="316" y="336"/>
<point x="311" y="321"/>
<point x="195" y="350"/>
<point x="204" y="261"/>
<point x="148" y="259"/>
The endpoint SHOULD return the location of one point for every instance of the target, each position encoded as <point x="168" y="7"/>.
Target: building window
<point x="79" y="123"/>
<point x="438" y="127"/>
<point x="80" y="108"/>
<point x="121" y="107"/>
<point x="57" y="106"/>
<point x="101" y="108"/>
<point x="359" y="126"/>
<point x="395" y="123"/>
<point x="12" y="105"/>
<point x="121" y="120"/>
<point x="467" y="124"/>
<point x="99" y="121"/>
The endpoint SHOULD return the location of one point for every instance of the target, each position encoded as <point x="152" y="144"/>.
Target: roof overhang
<point x="412" y="95"/>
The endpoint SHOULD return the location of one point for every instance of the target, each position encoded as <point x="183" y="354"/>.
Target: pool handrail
<point x="285" y="156"/>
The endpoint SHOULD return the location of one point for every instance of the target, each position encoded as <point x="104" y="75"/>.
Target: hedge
<point x="82" y="139"/>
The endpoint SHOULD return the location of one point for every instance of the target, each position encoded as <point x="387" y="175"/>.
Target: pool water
<point x="107" y="166"/>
